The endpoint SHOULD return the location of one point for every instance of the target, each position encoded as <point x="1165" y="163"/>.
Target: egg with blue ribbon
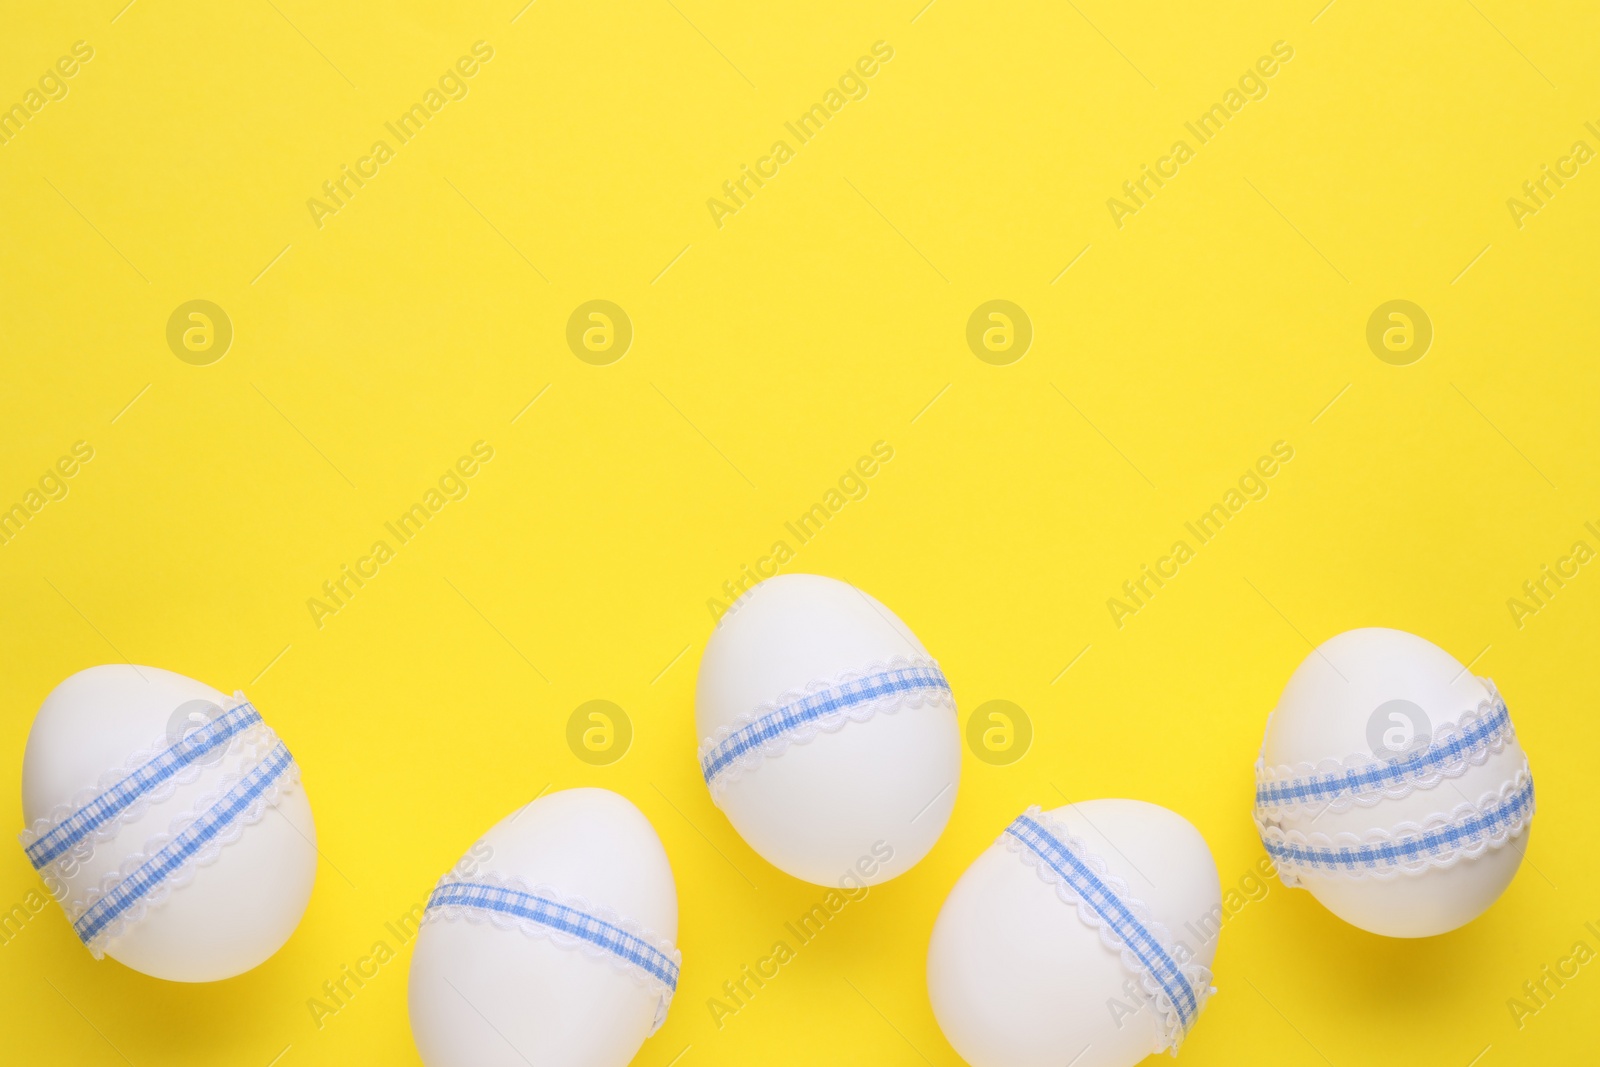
<point x="169" y="822"/>
<point x="550" y="941"/>
<point x="1392" y="785"/>
<point x="1083" y="935"/>
<point x="828" y="734"/>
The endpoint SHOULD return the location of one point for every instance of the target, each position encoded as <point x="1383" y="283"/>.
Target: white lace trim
<point x="1170" y="1027"/>
<point x="1362" y="761"/>
<point x="1289" y="872"/>
<point x="204" y="857"/>
<point x="66" y="865"/>
<point x="829" y="723"/>
<point x="540" y="932"/>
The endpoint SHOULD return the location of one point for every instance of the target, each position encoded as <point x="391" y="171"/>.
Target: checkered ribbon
<point x="1468" y="745"/>
<point x="806" y="711"/>
<point x="564" y="919"/>
<point x="109" y="805"/>
<point x="1143" y="941"/>
<point x="1471" y="829"/>
<point x="216" y="821"/>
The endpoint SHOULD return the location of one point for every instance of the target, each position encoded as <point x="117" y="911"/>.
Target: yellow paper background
<point x="769" y="354"/>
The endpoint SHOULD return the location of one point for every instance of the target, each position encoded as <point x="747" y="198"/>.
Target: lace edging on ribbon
<point x="1365" y="780"/>
<point x="1439" y="841"/>
<point x="79" y="846"/>
<point x="169" y="860"/>
<point x="1172" y="1026"/>
<point x="762" y="733"/>
<point x="462" y="904"/>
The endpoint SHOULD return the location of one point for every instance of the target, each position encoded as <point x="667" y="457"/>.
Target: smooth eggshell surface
<point x="830" y="809"/>
<point x="238" y="910"/>
<point x="1324" y="714"/>
<point x="483" y="996"/>
<point x="1018" y="979"/>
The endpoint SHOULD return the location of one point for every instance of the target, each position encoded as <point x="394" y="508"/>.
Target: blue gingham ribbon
<point x="1411" y="849"/>
<point x="1461" y="746"/>
<point x="804" y="711"/>
<point x="563" y="919"/>
<point x="234" y="805"/>
<point x="195" y="745"/>
<point x="1153" y="955"/>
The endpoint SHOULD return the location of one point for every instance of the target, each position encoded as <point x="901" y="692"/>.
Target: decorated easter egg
<point x="168" y="821"/>
<point x="828" y="734"/>
<point x="1084" y="935"/>
<point x="551" y="942"/>
<point x="1391" y="785"/>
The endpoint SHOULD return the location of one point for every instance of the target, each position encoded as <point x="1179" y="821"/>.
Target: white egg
<point x="828" y="734"/>
<point x="1391" y="785"/>
<point x="551" y="942"/>
<point x="168" y="821"/>
<point x="1085" y="935"/>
